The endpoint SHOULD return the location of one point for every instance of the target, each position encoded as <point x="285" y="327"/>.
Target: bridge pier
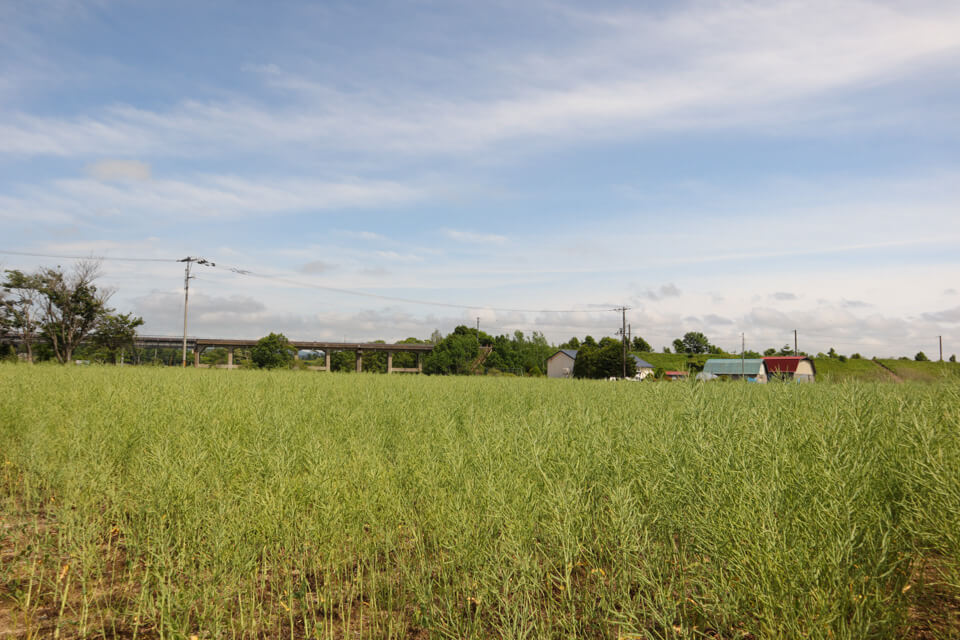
<point x="359" y="361"/>
<point x="326" y="359"/>
<point x="196" y="358"/>
<point x="230" y="358"/>
<point x="389" y="361"/>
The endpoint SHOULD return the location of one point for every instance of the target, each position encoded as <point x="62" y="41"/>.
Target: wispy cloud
<point x="205" y="196"/>
<point x="669" y="290"/>
<point x="109" y="170"/>
<point x="474" y="237"/>
<point x="727" y="65"/>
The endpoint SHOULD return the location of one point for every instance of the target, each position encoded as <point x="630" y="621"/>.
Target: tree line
<point x="51" y="312"/>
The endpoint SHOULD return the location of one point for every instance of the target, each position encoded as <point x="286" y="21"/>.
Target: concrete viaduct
<point x="198" y="345"/>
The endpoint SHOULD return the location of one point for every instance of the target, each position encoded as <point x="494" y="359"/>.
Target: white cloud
<point x="204" y="196"/>
<point x="734" y="64"/>
<point x="317" y="266"/>
<point x="475" y="238"/>
<point x="110" y="170"/>
<point x="784" y="296"/>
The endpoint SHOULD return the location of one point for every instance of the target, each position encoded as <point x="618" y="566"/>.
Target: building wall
<point x="560" y="365"/>
<point x="804" y="372"/>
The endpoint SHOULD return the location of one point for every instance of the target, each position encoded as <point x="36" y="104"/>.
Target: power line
<point x="90" y="257"/>
<point x="309" y="285"/>
<point x="377" y="296"/>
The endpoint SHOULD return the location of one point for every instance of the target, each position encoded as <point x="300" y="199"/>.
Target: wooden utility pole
<point x="796" y="351"/>
<point x="186" y="296"/>
<point x="743" y="347"/>
<point x="941" y="348"/>
<point x="623" y="335"/>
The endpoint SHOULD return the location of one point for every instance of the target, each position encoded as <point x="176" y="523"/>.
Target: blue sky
<point x="726" y="167"/>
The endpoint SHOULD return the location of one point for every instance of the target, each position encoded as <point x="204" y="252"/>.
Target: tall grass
<point x="165" y="503"/>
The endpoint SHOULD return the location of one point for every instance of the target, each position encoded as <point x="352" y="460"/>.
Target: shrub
<point x="272" y="352"/>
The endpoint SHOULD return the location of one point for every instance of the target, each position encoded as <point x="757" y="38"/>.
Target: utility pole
<point x="186" y="296"/>
<point x="796" y="351"/>
<point x="743" y="348"/>
<point x="478" y="325"/>
<point x="623" y="334"/>
<point x="941" y="348"/>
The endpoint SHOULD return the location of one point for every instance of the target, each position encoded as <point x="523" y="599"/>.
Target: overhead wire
<point x="90" y="257"/>
<point x="309" y="285"/>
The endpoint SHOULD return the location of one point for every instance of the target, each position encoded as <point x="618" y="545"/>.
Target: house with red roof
<point x="796" y="368"/>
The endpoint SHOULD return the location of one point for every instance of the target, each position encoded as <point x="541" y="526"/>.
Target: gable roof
<point x="731" y="366"/>
<point x="641" y="364"/>
<point x="785" y="364"/>
<point x="570" y="353"/>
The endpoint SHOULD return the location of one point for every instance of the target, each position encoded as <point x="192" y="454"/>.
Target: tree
<point x="678" y="346"/>
<point x="453" y="354"/>
<point x="272" y="352"/>
<point x="21" y="311"/>
<point x="602" y="361"/>
<point x="694" y="342"/>
<point x="953" y="358"/>
<point x="572" y="343"/>
<point x="639" y="344"/>
<point x="116" y="332"/>
<point x="921" y="357"/>
<point x="436" y="336"/>
<point x="72" y="306"/>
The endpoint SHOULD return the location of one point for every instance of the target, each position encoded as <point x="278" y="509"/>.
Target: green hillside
<point x="833" y="370"/>
<point x="923" y="371"/>
<point x="679" y="361"/>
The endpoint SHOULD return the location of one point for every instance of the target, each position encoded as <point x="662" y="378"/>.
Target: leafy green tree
<point x="769" y="352"/>
<point x="588" y="342"/>
<point x="639" y="344"/>
<point x="666" y="349"/>
<point x="116" y="333"/>
<point x="856" y="356"/>
<point x="921" y="357"/>
<point x="21" y="312"/>
<point x="953" y="358"/>
<point x="572" y="343"/>
<point x="693" y="342"/>
<point x="455" y="353"/>
<point x="72" y="306"/>
<point x="272" y="352"/>
<point x="602" y="361"/>
<point x="407" y="359"/>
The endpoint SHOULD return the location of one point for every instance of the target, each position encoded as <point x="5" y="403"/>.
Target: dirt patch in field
<point x="934" y="611"/>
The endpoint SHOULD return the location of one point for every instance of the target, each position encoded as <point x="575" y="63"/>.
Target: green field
<point x="833" y="370"/>
<point x="149" y="503"/>
<point x="923" y="371"/>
